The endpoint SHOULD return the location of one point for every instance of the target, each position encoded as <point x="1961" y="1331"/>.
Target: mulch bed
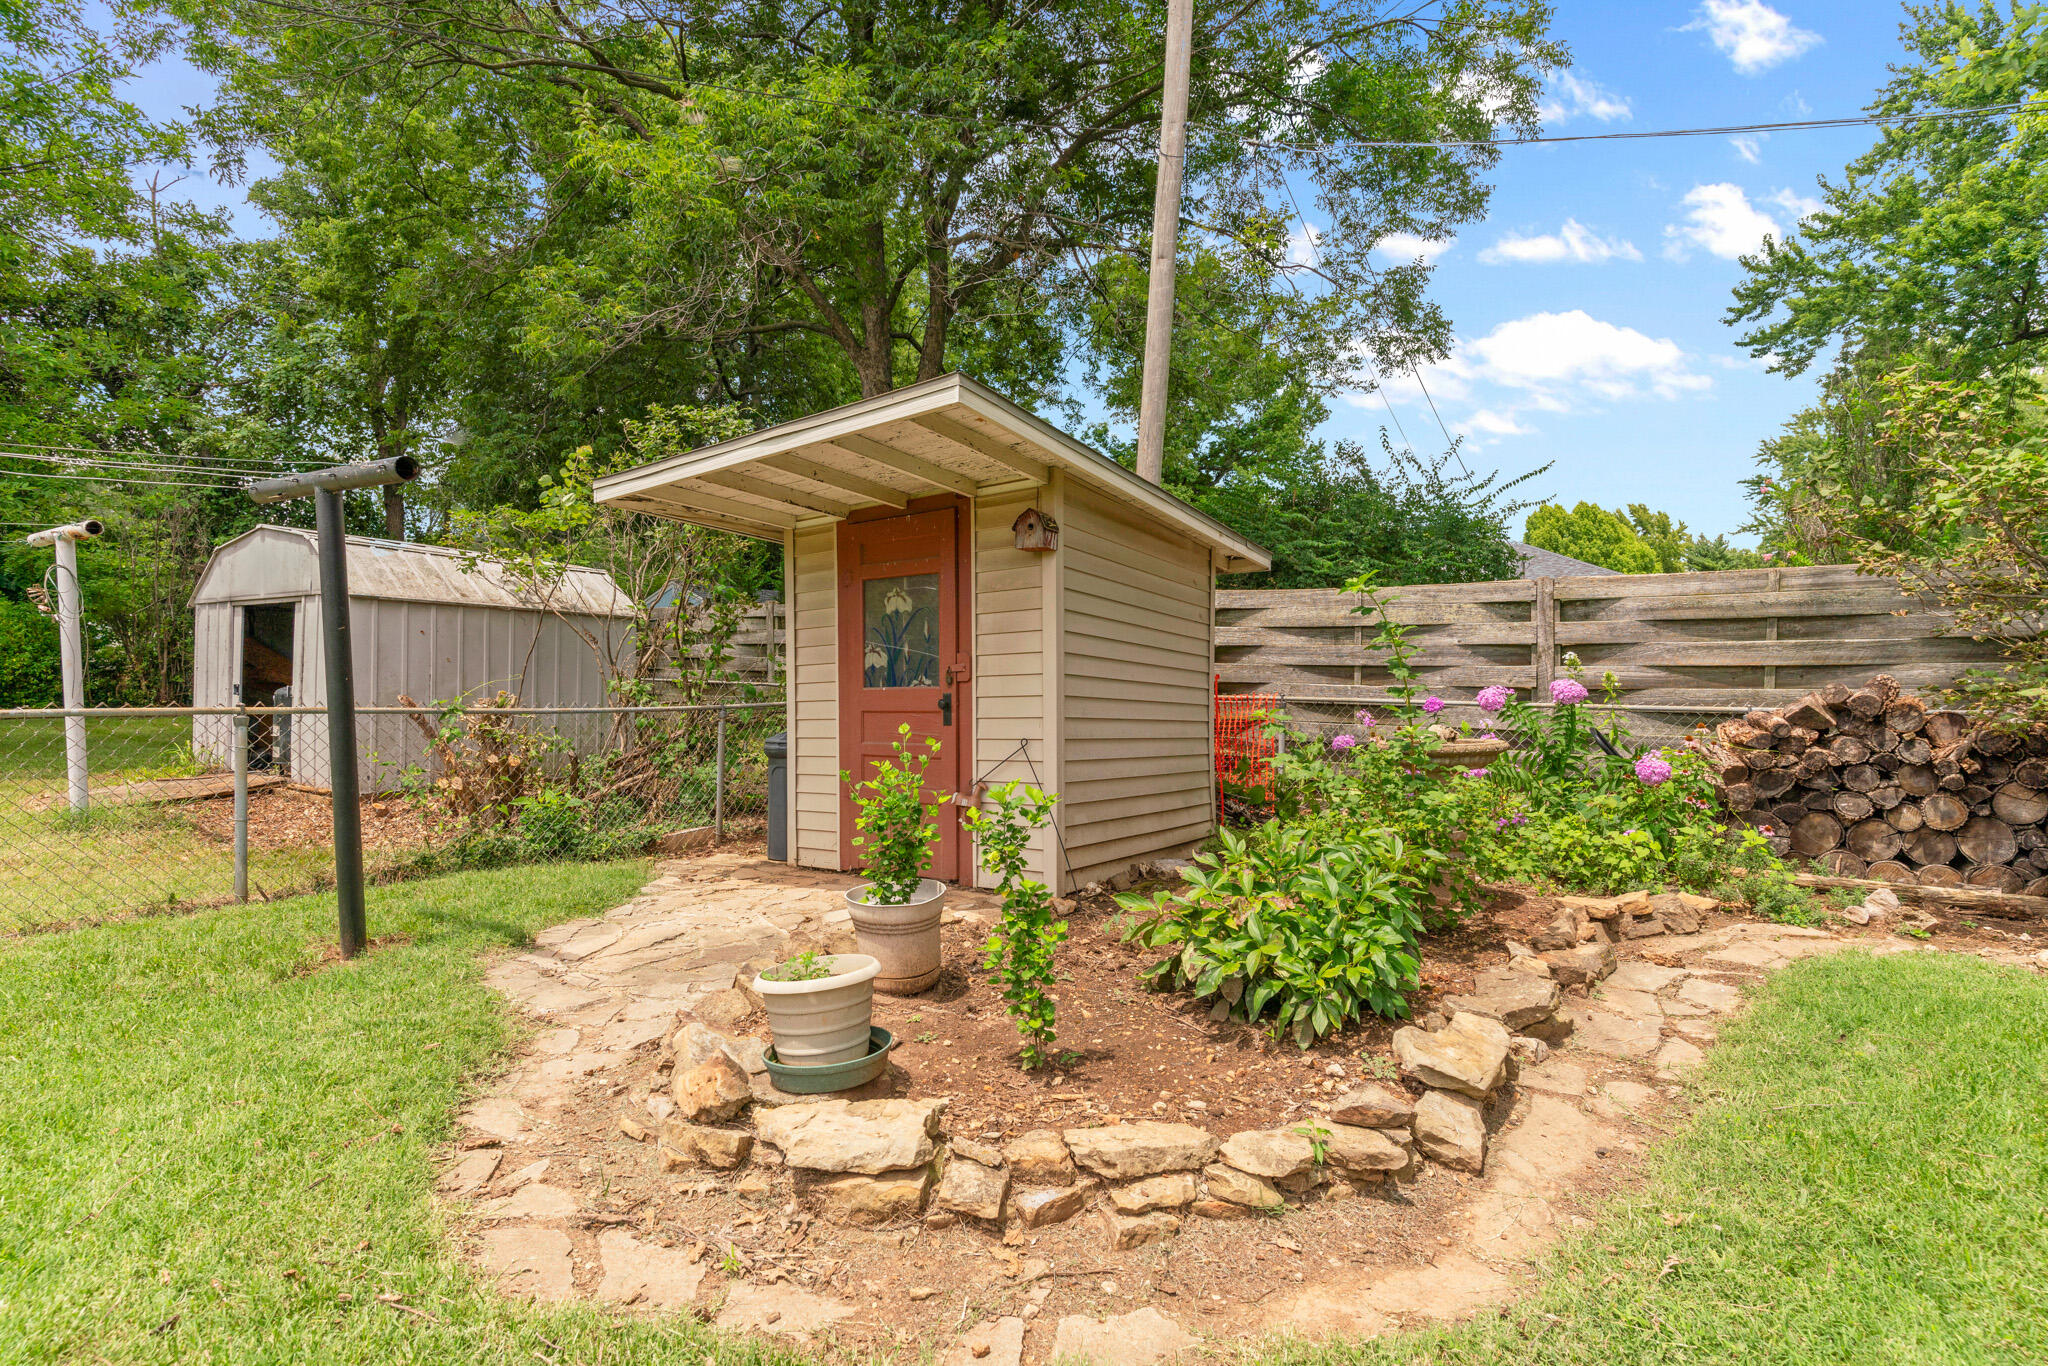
<point x="1135" y="1054"/>
<point x="293" y="818"/>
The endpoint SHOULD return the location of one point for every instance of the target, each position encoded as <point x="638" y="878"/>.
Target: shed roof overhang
<point x="944" y="435"/>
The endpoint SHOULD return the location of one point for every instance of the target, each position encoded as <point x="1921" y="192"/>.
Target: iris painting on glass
<point x="900" y="625"/>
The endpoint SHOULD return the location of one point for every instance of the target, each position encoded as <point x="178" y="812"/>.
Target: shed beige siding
<point x="814" y="697"/>
<point x="1011" y="661"/>
<point x="1138" y="773"/>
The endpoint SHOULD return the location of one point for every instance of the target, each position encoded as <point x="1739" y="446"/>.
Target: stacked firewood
<point x="1874" y="783"/>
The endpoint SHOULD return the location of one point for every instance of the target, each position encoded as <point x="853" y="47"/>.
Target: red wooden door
<point x="903" y="655"/>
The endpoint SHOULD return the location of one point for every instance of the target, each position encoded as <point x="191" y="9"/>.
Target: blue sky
<point x="1588" y="305"/>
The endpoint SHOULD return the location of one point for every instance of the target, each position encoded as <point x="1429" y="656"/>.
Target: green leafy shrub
<point x="808" y="966"/>
<point x="1020" y="951"/>
<point x="896" y="831"/>
<point x="1300" y="930"/>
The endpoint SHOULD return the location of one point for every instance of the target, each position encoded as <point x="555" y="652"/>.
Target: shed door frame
<point x="955" y="764"/>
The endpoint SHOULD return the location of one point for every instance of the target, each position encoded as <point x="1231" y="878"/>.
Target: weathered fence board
<point x="1752" y="637"/>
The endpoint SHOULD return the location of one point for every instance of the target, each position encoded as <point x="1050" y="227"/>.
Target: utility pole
<point x="1173" y="144"/>
<point x="327" y="487"/>
<point x="71" y="649"/>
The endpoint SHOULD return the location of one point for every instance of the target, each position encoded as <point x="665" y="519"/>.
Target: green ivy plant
<point x="894" y="819"/>
<point x="1302" y="928"/>
<point x="1020" y="951"/>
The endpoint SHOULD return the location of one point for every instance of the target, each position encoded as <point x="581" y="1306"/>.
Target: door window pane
<point x="900" y="632"/>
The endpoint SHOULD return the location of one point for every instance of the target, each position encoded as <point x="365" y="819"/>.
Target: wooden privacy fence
<point x="756" y="652"/>
<point x="1743" y="637"/>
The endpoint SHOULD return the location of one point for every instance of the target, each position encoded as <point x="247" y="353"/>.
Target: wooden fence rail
<point x="1756" y="637"/>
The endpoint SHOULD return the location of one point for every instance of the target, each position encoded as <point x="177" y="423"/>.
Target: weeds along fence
<point x="185" y="806"/>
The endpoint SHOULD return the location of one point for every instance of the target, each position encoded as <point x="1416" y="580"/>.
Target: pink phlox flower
<point x="1652" y="770"/>
<point x="1432" y="704"/>
<point x="1343" y="742"/>
<point x="1567" y="692"/>
<point x="1493" y="697"/>
<point x="1365" y="718"/>
<point x="1475" y="773"/>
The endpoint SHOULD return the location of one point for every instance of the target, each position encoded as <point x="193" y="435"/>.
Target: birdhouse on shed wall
<point x="1036" y="531"/>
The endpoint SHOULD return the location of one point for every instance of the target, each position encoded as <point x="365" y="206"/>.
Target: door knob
<point x="945" y="709"/>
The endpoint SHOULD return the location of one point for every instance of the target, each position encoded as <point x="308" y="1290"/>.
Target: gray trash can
<point x="777" y="747"/>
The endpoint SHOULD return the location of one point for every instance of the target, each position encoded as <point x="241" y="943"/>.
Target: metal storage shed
<point x="426" y="621"/>
<point x="953" y="562"/>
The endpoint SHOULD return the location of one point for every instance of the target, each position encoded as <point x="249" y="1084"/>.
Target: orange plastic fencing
<point x="1244" y="752"/>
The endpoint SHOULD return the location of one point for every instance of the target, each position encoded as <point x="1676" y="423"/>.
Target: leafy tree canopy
<point x="1593" y="534"/>
<point x="1935" y="241"/>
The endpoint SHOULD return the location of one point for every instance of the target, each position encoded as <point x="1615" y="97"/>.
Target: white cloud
<point x="1572" y="242"/>
<point x="1795" y="204"/>
<point x="1544" y="363"/>
<point x="1487" y="422"/>
<point x="1749" y="146"/>
<point x="1406" y="246"/>
<point x="1753" y="36"/>
<point x="1302" y="243"/>
<point x="1571" y="97"/>
<point x="1557" y="356"/>
<point x="1720" y="219"/>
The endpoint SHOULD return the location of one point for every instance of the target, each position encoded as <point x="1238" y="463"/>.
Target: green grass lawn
<point x="210" y="1153"/>
<point x="204" y="1147"/>
<point x="1868" y="1183"/>
<point x="113" y="744"/>
<point x="55" y="867"/>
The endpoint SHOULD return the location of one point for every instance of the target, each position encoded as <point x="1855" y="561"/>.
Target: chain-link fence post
<point x="718" y="782"/>
<point x="241" y="752"/>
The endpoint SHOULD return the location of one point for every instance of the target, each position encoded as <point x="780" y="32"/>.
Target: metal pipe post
<point x="341" y="721"/>
<point x="718" y="784"/>
<point x="242" y="807"/>
<point x="71" y="650"/>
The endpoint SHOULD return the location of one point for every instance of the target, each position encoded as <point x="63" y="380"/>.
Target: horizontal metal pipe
<point x="76" y="531"/>
<point x="399" y="469"/>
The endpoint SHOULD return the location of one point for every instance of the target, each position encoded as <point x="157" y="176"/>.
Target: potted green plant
<point x="820" y="1007"/>
<point x="896" y="911"/>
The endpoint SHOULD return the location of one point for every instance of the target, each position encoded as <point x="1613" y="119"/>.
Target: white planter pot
<point x="824" y="1020"/>
<point x="903" y="938"/>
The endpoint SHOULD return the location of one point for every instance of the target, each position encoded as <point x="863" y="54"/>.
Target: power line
<point x="1724" y="130"/>
<point x="264" y="461"/>
<point x="145" y="467"/>
<point x="116" y="479"/>
<point x="1309" y="238"/>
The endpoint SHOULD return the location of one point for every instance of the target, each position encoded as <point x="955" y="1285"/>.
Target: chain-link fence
<point x="114" y="811"/>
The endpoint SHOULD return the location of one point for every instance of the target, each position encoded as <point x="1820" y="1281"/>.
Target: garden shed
<point x="428" y="622"/>
<point x="954" y="563"/>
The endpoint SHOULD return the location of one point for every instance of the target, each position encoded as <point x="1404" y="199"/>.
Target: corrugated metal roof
<point x="1538" y="563"/>
<point x="402" y="571"/>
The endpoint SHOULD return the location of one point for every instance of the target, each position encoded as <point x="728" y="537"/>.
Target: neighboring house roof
<point x="274" y="562"/>
<point x="1538" y="563"/>
<point x="947" y="434"/>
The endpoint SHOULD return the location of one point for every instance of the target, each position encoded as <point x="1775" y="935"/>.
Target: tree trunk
<point x="1944" y="811"/>
<point x="1815" y="833"/>
<point x="1930" y="846"/>
<point x="2017" y="805"/>
<point x="1984" y="840"/>
<point x="1873" y="841"/>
